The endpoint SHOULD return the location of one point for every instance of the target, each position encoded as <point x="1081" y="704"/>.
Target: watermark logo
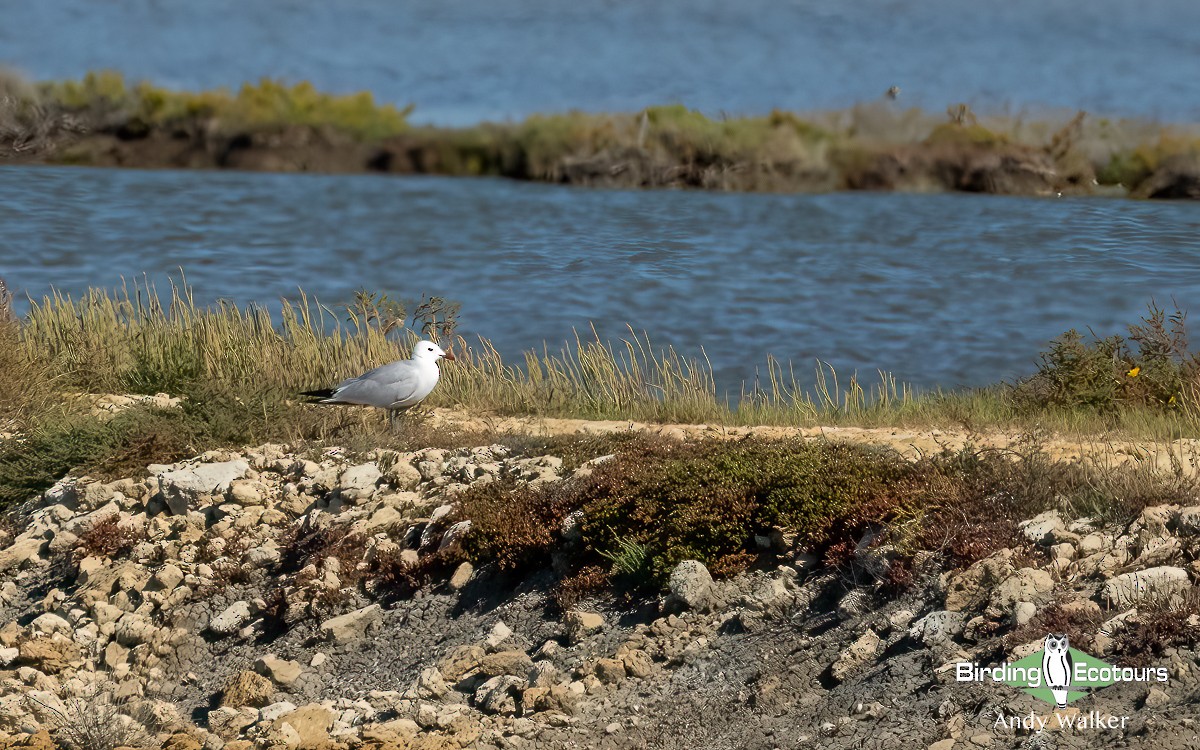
<point x="1059" y="675"/>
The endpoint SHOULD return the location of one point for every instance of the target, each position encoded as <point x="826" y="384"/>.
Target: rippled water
<point x="461" y="61"/>
<point x="940" y="289"/>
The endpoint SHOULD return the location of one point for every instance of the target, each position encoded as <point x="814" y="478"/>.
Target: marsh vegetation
<point x="103" y="120"/>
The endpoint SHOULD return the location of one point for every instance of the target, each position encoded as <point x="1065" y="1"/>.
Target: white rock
<point x="353" y="625"/>
<point x="50" y="623"/>
<point x="275" y="710"/>
<point x="1153" y="583"/>
<point x="691" y="586"/>
<point x="231" y="620"/>
<point x="500" y="633"/>
<point x="1041" y="528"/>
<point x="937" y="627"/>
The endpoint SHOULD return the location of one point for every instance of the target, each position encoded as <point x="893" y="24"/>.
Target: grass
<point x="134" y="340"/>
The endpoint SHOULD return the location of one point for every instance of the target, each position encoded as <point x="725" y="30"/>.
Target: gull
<point x="395" y="386"/>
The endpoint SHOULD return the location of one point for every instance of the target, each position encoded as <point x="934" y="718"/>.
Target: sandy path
<point x="911" y="443"/>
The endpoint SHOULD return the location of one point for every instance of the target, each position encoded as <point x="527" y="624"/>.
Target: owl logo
<point x="1057" y="667"/>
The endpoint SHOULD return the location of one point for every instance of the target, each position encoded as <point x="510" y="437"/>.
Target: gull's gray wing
<point x="382" y="387"/>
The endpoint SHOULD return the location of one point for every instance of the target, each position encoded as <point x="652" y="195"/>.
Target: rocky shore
<point x="208" y="604"/>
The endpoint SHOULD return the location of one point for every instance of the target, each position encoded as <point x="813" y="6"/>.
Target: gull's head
<point x="431" y="351"/>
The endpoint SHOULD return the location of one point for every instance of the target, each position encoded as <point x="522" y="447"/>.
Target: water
<point x="942" y="290"/>
<point x="461" y="61"/>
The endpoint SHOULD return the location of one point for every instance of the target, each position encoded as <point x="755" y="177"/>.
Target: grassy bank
<point x="104" y="120"/>
<point x="238" y="369"/>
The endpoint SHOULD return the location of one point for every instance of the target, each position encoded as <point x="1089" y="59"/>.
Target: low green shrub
<point x="1152" y="367"/>
<point x="706" y="501"/>
<point x="515" y="526"/>
<point x="658" y="502"/>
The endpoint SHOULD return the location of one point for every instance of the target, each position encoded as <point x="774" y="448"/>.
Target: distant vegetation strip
<point x="105" y="121"/>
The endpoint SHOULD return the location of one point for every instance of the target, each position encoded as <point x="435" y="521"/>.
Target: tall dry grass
<point x="136" y="340"/>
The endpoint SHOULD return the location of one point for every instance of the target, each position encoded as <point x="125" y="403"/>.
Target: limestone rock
<point x="582" y="624"/>
<point x="247" y="689"/>
<point x="1153" y="583"/>
<point x="515" y="663"/>
<point x="353" y="625"/>
<point x="691" y="587"/>
<point x="231" y="619"/>
<point x="500" y="633"/>
<point x="462" y="574"/>
<point x="499" y="694"/>
<point x="857" y="655"/>
<point x="281" y="671"/>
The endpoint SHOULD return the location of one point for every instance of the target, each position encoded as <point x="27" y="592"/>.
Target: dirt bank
<point x="1178" y="455"/>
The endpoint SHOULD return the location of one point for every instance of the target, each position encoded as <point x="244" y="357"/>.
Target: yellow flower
<point x="1134" y="372"/>
<point x="1172" y="400"/>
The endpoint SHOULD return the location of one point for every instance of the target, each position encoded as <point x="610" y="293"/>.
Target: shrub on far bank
<point x="106" y="99"/>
